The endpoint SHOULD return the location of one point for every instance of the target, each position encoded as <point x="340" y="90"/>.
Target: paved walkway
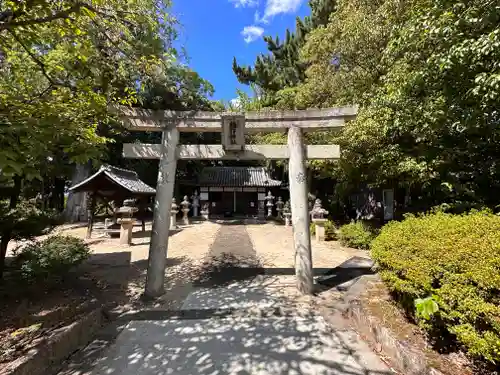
<point x="239" y="316"/>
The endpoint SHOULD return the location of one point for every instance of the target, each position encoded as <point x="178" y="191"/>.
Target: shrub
<point x="453" y="260"/>
<point x="51" y="258"/>
<point x="356" y="234"/>
<point x="330" y="230"/>
<point x="26" y="220"/>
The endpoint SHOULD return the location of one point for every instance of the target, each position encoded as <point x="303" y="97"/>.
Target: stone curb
<point x="60" y="345"/>
<point x="400" y="355"/>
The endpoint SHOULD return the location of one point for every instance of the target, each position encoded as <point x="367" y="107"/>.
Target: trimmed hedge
<point x="357" y="235"/>
<point x="452" y="262"/>
<point x="51" y="258"/>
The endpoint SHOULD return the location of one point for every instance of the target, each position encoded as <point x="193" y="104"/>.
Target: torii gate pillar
<point x="300" y="212"/>
<point x="233" y="126"/>
<point x="157" y="259"/>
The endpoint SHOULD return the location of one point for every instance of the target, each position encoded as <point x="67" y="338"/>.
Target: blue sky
<point x="213" y="31"/>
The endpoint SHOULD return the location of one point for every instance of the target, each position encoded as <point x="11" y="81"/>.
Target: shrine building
<point x="238" y="191"/>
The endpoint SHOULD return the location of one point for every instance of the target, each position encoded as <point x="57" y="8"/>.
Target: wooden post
<point x="90" y="213"/>
<point x="161" y="218"/>
<point x="300" y="213"/>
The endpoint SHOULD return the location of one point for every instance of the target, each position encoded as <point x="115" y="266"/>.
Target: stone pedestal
<point x="174" y="209"/>
<point x="126" y="226"/>
<point x="269" y="204"/>
<point x="288" y="222"/>
<point x="196" y="203"/>
<point x="185" y="204"/>
<point x="107" y="223"/>
<point x="185" y="218"/>
<point x="279" y="208"/>
<point x="317" y="217"/>
<point x="319" y="225"/>
<point x="205" y="211"/>
<point x="287" y="214"/>
<point x="173" y="220"/>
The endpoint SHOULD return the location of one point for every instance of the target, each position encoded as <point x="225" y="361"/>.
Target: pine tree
<point x="281" y="67"/>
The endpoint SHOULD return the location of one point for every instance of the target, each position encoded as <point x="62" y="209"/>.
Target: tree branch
<point x="35" y="21"/>
<point x="33" y="57"/>
<point x="40" y="63"/>
<point x="7" y="18"/>
<point x="113" y="42"/>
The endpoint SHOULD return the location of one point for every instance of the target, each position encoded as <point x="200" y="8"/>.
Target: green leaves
<point x="63" y="63"/>
<point x="453" y="260"/>
<point x="426" y="77"/>
<point x="426" y="307"/>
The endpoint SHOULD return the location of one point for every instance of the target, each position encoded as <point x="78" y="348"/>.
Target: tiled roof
<point x="237" y="176"/>
<point x="125" y="178"/>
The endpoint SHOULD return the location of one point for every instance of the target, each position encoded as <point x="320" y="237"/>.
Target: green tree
<point x="61" y="64"/>
<point x="281" y="67"/>
<point x="425" y="74"/>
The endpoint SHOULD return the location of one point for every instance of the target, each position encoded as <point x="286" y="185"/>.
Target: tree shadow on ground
<point x="227" y="327"/>
<point x="234" y="318"/>
<point x="235" y="345"/>
<point x="345" y="274"/>
<point x="226" y="268"/>
<point x="108" y="280"/>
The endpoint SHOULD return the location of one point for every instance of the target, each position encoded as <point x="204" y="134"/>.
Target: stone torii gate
<point x="233" y="127"/>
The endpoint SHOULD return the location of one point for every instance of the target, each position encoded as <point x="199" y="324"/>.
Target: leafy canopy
<point x="63" y="62"/>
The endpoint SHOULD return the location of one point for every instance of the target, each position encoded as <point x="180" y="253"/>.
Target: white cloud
<point x="256" y="17"/>
<point x="275" y="7"/>
<point x="245" y="3"/>
<point x="252" y="33"/>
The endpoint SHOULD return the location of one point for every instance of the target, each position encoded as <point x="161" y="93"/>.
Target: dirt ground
<point x="114" y="276"/>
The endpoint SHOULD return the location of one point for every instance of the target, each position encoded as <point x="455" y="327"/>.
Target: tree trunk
<point x="7" y="232"/>
<point x="76" y="207"/>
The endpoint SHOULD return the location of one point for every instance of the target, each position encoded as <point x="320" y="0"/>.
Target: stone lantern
<point x="317" y="217"/>
<point x="126" y="221"/>
<point x="205" y="210"/>
<point x="279" y="207"/>
<point x="174" y="210"/>
<point x="185" y="204"/>
<point x="196" y="203"/>
<point x="287" y="213"/>
<point x="269" y="204"/>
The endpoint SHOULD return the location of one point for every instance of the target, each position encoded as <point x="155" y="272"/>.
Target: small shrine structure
<point x="113" y="184"/>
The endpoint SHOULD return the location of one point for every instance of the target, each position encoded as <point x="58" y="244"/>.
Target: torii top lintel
<point x="139" y="119"/>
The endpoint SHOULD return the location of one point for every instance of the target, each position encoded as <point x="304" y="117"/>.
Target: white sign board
<point x="204" y="196"/>
<point x="261" y="196"/>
